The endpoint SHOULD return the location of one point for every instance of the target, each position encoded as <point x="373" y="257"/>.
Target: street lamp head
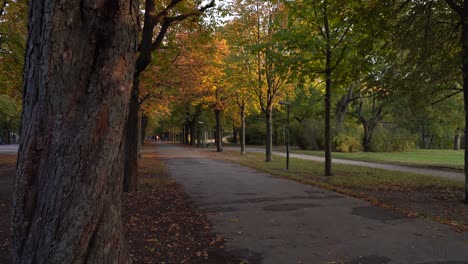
<point x="200" y="122"/>
<point x="282" y="102"/>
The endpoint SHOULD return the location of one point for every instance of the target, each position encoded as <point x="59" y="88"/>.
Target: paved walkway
<point x="271" y="220"/>
<point x="8" y="149"/>
<point x="447" y="174"/>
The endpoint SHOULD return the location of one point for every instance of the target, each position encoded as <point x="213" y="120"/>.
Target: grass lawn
<point x="439" y="158"/>
<point x="413" y="194"/>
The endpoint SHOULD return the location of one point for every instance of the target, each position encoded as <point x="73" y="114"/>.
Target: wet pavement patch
<point x="372" y="259"/>
<point x="377" y="213"/>
<point x="288" y="207"/>
<point x="220" y="209"/>
<point x="277" y="199"/>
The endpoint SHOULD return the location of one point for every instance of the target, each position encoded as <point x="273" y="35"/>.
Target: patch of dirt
<point x="162" y="225"/>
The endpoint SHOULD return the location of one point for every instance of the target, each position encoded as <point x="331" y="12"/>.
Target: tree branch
<point x="146" y="97"/>
<point x="167" y="21"/>
<point x="447" y="97"/>
<point x="457" y="8"/>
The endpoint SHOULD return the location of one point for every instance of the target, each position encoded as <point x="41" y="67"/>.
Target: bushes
<point x="348" y="141"/>
<point x="308" y="134"/>
<point x="386" y="140"/>
<point x="255" y="133"/>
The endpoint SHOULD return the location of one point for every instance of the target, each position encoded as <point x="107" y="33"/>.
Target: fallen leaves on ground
<point x="163" y="225"/>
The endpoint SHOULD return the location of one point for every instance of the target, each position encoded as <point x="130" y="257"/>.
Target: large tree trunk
<point x="268" y="136"/>
<point x="219" y="134"/>
<point x="328" y="170"/>
<point x="366" y="140"/>
<point x="139" y="139"/>
<point x="144" y="124"/>
<point x="328" y="72"/>
<point x="464" y="18"/>
<point x="242" y="132"/>
<point x="130" y="183"/>
<point x="78" y="76"/>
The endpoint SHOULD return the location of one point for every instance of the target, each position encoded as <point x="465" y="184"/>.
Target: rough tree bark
<point x="130" y="182"/>
<point x="78" y="76"/>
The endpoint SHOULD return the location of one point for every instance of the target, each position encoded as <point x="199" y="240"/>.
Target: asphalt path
<point x="8" y="149"/>
<point x="446" y="174"/>
<point x="271" y="220"/>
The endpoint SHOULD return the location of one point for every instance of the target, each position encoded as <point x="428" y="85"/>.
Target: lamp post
<point x="286" y="103"/>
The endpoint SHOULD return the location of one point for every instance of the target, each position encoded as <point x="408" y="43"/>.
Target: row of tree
<point x="375" y="65"/>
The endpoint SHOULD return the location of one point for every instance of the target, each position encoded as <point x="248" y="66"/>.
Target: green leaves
<point x="10" y="112"/>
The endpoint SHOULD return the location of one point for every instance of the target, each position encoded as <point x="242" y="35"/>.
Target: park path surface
<point x="8" y="149"/>
<point x="271" y="220"/>
<point x="446" y="174"/>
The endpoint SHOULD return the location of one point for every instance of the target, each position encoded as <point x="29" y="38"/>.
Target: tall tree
<point x="237" y="69"/>
<point x="268" y="73"/>
<point x="216" y="78"/>
<point x="461" y="8"/>
<point x="78" y="77"/>
<point x="321" y="32"/>
<point x="157" y="20"/>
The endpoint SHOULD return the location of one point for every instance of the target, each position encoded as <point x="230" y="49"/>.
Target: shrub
<point x="386" y="140"/>
<point x="255" y="134"/>
<point x="308" y="134"/>
<point x="348" y="141"/>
